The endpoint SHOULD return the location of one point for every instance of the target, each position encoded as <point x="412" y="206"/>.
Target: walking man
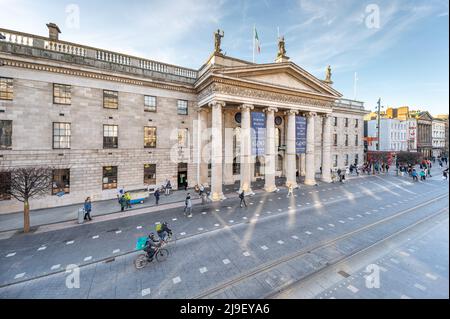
<point x="157" y="195"/>
<point x="87" y="209"/>
<point x="242" y="197"/>
<point x="290" y="191"/>
<point x="188" y="206"/>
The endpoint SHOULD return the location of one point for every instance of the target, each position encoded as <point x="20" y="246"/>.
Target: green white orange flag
<point x="257" y="44"/>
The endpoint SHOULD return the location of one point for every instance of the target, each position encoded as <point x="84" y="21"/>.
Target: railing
<point x="20" y="38"/>
<point x="349" y="104"/>
<point x="65" y="48"/>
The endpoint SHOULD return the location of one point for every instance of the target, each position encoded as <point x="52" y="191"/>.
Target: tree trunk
<point x="26" y="216"/>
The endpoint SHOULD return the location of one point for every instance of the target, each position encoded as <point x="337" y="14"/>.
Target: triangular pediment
<point x="281" y="75"/>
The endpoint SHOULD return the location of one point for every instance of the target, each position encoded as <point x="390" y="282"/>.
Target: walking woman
<point x="87" y="209"/>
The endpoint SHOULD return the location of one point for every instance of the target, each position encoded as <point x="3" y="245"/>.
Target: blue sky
<point x="404" y="59"/>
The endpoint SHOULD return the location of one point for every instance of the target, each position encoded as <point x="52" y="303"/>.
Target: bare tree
<point x="24" y="184"/>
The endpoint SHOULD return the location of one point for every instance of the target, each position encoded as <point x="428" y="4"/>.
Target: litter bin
<point x="81" y="216"/>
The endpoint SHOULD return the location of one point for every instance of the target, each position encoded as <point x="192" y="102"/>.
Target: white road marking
<point x="244" y="218"/>
<point x="54" y="267"/>
<point x="246" y="253"/>
<point x="405" y="297"/>
<point x="433" y="277"/>
<point x="280" y="242"/>
<point x="299" y="205"/>
<point x="353" y="289"/>
<point x="229" y="207"/>
<point x="231" y="221"/>
<point x="203" y="270"/>
<point x="331" y="225"/>
<point x="200" y="228"/>
<point x="269" y="212"/>
<point x="139" y="227"/>
<point x="350" y="218"/>
<point x="279" y="209"/>
<point x="419" y="286"/>
<point x="257" y="215"/>
<point x="264" y="247"/>
<point x="216" y="225"/>
<point x="359" y="215"/>
<point x="174" y="219"/>
<point x="217" y="210"/>
<point x="368" y="213"/>
<point x="176" y="280"/>
<point x="145" y="292"/>
<point x="261" y="201"/>
<point x="251" y="203"/>
<point x="183" y="233"/>
<point x="319" y="228"/>
<point x="19" y="275"/>
<point x="404" y="253"/>
<point x="295" y="237"/>
<point x="342" y="222"/>
<point x="203" y="213"/>
<point x="307" y="204"/>
<point x="70" y="242"/>
<point x="11" y="254"/>
<point x="115" y="251"/>
<point x="42" y="248"/>
<point x="94" y="237"/>
<point x="308" y="233"/>
<point x="226" y="261"/>
<point x="88" y="258"/>
<point x="118" y="232"/>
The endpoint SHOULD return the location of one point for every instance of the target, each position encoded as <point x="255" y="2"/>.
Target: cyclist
<point x="150" y="245"/>
<point x="163" y="231"/>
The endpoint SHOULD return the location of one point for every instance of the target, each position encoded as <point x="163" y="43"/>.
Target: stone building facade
<point x="104" y="120"/>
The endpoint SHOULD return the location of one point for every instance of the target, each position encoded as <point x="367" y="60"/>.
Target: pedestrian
<point x="157" y="195"/>
<point x="445" y="174"/>
<point x="188" y="206"/>
<point x="387" y="168"/>
<point x="290" y="190"/>
<point x="242" y="197"/>
<point x="168" y="188"/>
<point x="87" y="209"/>
<point x="422" y="175"/>
<point x="185" y="185"/>
<point x="414" y="175"/>
<point x="120" y="192"/>
<point x="339" y="174"/>
<point x="128" y="199"/>
<point x="122" y="202"/>
<point x="201" y="190"/>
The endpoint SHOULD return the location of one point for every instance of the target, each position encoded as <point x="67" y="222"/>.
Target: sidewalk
<point x="110" y="209"/>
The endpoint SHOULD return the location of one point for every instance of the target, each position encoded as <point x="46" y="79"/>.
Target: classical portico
<point x="231" y="90"/>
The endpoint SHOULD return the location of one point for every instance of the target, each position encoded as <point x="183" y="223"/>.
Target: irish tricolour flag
<point x="257" y="44"/>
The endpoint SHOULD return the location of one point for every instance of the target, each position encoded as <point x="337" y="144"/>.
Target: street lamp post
<point x="378" y="123"/>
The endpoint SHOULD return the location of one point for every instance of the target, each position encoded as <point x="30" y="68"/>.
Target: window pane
<point x="150" y="103"/>
<point x="182" y="107"/>
<point x="61" y="94"/>
<point x="150" y="174"/>
<point x="5" y="134"/>
<point x="5" y="185"/>
<point x="61" y="181"/>
<point x="149" y="137"/>
<point x="6" y="88"/>
<point x="110" y="99"/>
<point x="110" y="136"/>
<point x="109" y="177"/>
<point x="61" y="135"/>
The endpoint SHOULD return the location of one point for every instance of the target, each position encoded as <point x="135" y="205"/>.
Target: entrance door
<point x="182" y="175"/>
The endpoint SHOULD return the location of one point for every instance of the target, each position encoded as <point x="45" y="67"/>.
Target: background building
<point x="393" y="136"/>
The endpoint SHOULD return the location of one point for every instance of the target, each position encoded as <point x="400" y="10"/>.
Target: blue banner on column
<point x="300" y="135"/>
<point x="258" y="120"/>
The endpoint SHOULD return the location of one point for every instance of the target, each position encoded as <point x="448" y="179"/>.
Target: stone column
<point x="228" y="150"/>
<point x="326" y="149"/>
<point x="310" y="156"/>
<point x="270" y="156"/>
<point x="216" y="151"/>
<point x="246" y="149"/>
<point x="203" y="137"/>
<point x="291" y="178"/>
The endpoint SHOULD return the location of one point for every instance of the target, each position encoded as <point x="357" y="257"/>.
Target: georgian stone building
<point x="104" y="120"/>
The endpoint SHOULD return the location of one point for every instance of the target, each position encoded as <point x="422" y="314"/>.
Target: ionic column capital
<point x="291" y="112"/>
<point x="216" y="104"/>
<point x="311" y="114"/>
<point x="246" y="107"/>
<point x="326" y="115"/>
<point x="202" y="110"/>
<point x="270" y="109"/>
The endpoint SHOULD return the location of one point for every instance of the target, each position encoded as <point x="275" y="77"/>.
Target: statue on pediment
<point x="218" y="40"/>
<point x="328" y="75"/>
<point x="281" y="48"/>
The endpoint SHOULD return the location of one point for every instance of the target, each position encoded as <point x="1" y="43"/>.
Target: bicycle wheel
<point x="141" y="261"/>
<point x="172" y="239"/>
<point x="162" y="254"/>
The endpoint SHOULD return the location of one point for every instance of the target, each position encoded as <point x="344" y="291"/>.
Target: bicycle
<point x="160" y="255"/>
<point x="170" y="239"/>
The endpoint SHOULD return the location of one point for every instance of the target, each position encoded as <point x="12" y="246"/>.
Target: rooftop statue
<point x="281" y="47"/>
<point x="217" y="41"/>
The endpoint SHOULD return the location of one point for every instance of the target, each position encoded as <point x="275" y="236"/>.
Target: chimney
<point x="53" y="31"/>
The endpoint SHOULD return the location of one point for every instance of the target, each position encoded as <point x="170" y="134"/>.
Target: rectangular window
<point x="61" y="181"/>
<point x="335" y="161"/>
<point x="149" y="137"/>
<point x="110" y="99"/>
<point x="356" y="140"/>
<point x="5" y="134"/>
<point x="356" y="123"/>
<point x="335" y="139"/>
<point x="346" y="139"/>
<point x="150" y="174"/>
<point x="110" y="136"/>
<point x="5" y="186"/>
<point x="182" y="107"/>
<point x="149" y="103"/>
<point x="356" y="159"/>
<point x="335" y="121"/>
<point x="109" y="177"/>
<point x="183" y="135"/>
<point x="62" y="94"/>
<point x="346" y="160"/>
<point x="61" y="135"/>
<point x="346" y="122"/>
<point x="6" y="88"/>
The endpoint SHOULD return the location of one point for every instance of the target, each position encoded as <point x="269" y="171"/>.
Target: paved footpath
<point x="221" y="241"/>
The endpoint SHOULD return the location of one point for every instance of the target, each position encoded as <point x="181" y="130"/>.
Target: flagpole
<point x="354" y="86"/>
<point x="253" y="49"/>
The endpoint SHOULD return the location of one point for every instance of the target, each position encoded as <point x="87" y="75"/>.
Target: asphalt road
<point x="223" y="251"/>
